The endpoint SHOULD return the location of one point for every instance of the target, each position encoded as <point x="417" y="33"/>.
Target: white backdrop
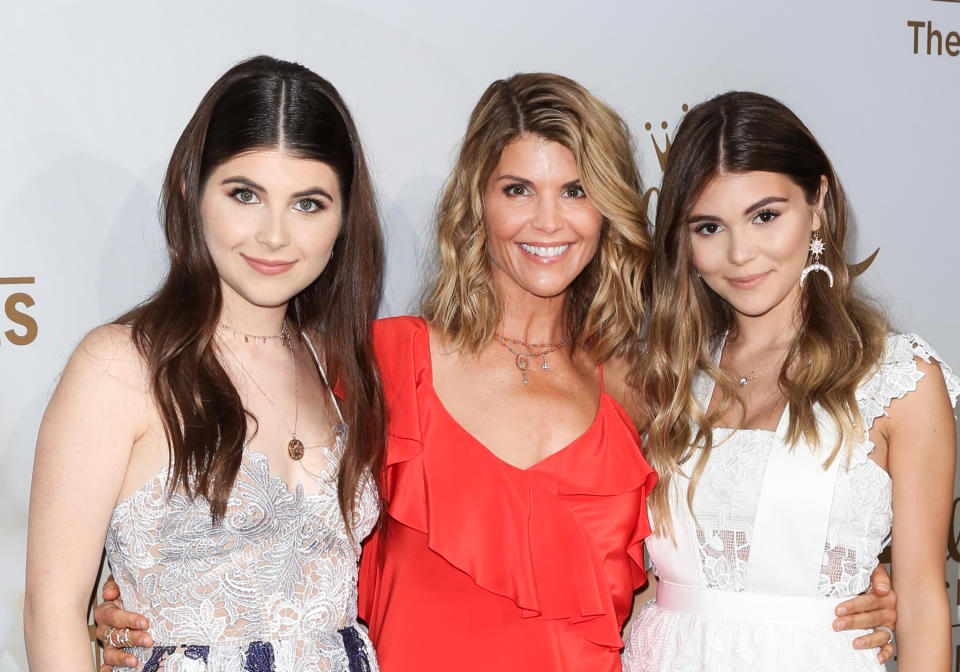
<point x="93" y="96"/>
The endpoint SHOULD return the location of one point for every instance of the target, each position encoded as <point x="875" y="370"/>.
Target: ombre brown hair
<point x="262" y="103"/>
<point x="841" y="337"/>
<point x="604" y="307"/>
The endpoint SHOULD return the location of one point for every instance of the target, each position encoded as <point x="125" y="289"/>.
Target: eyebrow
<point x="693" y="219"/>
<point x="312" y="191"/>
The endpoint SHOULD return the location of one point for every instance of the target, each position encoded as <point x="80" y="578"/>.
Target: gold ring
<point x="108" y="635"/>
<point x="124" y="638"/>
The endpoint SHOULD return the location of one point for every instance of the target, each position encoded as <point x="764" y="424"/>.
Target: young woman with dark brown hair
<point x="246" y="485"/>
<point x="791" y="429"/>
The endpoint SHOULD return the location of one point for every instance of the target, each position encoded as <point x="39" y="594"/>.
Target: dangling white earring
<point x="816" y="248"/>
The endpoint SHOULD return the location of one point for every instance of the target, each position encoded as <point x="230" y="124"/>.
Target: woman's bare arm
<point x="921" y="440"/>
<point x="88" y="431"/>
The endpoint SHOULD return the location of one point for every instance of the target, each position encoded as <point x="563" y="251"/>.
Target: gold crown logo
<point x="662" y="154"/>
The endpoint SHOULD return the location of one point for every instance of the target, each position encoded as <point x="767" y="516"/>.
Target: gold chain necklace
<point x="745" y="380"/>
<point x="284" y="335"/>
<point x="523" y="358"/>
<point x="294" y="446"/>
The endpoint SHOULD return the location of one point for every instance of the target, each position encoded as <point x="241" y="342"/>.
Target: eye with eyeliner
<point x="515" y="189"/>
<point x="309" y="205"/>
<point x="244" y="195"/>
<point x="574" y="191"/>
<point x="765" y="216"/>
<point x="707" y="228"/>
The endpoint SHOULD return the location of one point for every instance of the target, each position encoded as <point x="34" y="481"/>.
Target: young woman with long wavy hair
<point x="246" y="485"/>
<point x="792" y="430"/>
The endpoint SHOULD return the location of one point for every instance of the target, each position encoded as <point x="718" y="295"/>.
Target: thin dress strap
<point x="313" y="351"/>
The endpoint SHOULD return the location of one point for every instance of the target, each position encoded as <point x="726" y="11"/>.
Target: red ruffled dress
<point x="484" y="566"/>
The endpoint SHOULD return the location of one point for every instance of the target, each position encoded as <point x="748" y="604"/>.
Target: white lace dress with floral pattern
<point x="725" y="506"/>
<point x="272" y="587"/>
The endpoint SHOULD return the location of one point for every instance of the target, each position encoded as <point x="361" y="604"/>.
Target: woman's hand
<point x="111" y="613"/>
<point x="876" y="607"/>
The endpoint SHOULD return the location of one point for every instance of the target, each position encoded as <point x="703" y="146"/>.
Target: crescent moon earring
<point x="817" y="247"/>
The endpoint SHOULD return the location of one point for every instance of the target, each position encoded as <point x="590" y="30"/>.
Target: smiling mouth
<point x="746" y="281"/>
<point x="546" y="252"/>
<point x="268" y="267"/>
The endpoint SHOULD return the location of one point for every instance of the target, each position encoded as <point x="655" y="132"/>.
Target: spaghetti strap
<point x="602" y="390"/>
<point x="316" y="358"/>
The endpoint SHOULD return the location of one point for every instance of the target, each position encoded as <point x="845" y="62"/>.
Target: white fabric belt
<point x="759" y="607"/>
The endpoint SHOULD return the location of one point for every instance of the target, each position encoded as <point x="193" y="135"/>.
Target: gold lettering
<point x="953" y="43"/>
<point x="953" y="541"/>
<point x="930" y="34"/>
<point x="20" y="318"/>
<point x="916" y="25"/>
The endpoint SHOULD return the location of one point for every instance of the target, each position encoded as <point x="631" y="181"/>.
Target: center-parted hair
<point x="604" y="307"/>
<point x="840" y="338"/>
<point x="262" y="103"/>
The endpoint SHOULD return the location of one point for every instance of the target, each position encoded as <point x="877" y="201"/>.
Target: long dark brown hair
<point x="841" y="337"/>
<point x="262" y="103"/>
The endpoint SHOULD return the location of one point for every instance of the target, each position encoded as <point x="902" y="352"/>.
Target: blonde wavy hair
<point x="841" y="337"/>
<point x="604" y="307"/>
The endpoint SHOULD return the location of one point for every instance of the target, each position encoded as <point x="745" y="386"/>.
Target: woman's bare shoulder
<point x="616" y="383"/>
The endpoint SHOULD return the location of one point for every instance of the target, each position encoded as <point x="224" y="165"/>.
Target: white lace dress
<point x="271" y="588"/>
<point x="780" y="543"/>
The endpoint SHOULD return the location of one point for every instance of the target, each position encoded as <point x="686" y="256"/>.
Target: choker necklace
<point x="284" y="335"/>
<point x="522" y="358"/>
<point x="294" y="446"/>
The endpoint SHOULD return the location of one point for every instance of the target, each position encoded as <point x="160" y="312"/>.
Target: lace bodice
<point x="279" y="568"/>
<point x="745" y="587"/>
<point x="861" y="516"/>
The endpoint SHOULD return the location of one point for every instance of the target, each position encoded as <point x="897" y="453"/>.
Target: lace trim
<point x="894" y="378"/>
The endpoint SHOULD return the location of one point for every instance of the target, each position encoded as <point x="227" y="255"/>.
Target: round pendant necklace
<point x="523" y="358"/>
<point x="294" y="446"/>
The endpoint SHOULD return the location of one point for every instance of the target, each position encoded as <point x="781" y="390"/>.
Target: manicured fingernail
<point x="131" y="661"/>
<point x="882" y="586"/>
<point x="841" y="611"/>
<point x="857" y="644"/>
<point x="143" y="640"/>
<point x="141" y="624"/>
<point x="840" y="624"/>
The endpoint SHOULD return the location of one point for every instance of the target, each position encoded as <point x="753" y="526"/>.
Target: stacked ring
<point x="108" y="635"/>
<point x="886" y="630"/>
<point x="124" y="640"/>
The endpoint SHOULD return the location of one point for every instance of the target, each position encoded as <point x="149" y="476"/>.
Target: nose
<point x="274" y="230"/>
<point x="742" y="249"/>
<point x="548" y="217"/>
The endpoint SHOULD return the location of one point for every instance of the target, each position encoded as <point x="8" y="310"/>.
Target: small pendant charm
<point x="744" y="381"/>
<point x="295" y="449"/>
<point x="522" y="365"/>
<point x="545" y="366"/>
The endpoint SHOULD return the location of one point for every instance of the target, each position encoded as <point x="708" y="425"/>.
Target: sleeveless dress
<point x="273" y="587"/>
<point x="484" y="566"/>
<point x="780" y="543"/>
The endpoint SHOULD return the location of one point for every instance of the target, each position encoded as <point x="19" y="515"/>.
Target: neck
<point x="774" y="329"/>
<point x="533" y="319"/>
<point x="248" y="318"/>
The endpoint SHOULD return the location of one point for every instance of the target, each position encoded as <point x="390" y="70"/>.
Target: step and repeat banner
<point x="93" y="96"/>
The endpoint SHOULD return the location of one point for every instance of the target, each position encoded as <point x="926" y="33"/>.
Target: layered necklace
<point x="522" y="359"/>
<point x="294" y="446"/>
